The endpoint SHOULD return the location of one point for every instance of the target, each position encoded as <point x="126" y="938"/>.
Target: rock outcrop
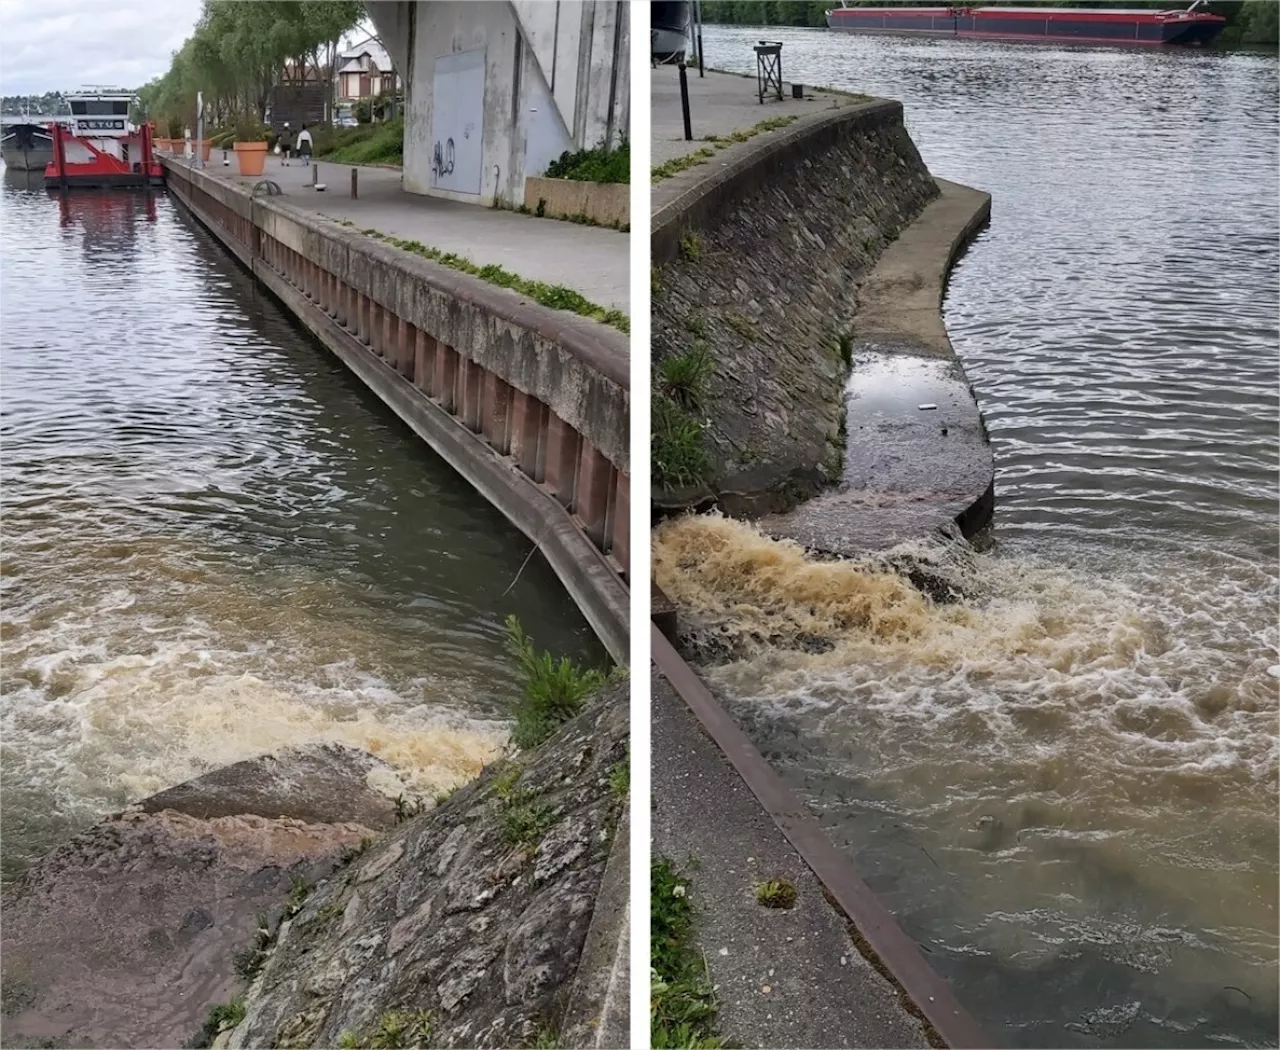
<point x="463" y="927"/>
<point x="126" y="934"/>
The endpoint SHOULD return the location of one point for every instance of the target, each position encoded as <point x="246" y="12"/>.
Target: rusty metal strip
<point x="930" y="993"/>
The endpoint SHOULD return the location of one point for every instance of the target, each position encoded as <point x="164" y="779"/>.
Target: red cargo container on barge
<point x="1056" y="25"/>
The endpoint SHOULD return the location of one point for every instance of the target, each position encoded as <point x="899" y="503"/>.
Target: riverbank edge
<point x="570" y="453"/>
<point x="687" y="202"/>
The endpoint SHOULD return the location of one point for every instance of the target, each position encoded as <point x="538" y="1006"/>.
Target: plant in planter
<point x="250" y="146"/>
<point x="176" y="141"/>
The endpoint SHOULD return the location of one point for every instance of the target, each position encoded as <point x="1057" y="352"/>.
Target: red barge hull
<point x="84" y="162"/>
<point x="1056" y="25"/>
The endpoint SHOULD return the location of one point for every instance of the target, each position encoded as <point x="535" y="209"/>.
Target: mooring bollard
<point x="315" y="175"/>
<point x="684" y="102"/>
<point x="354" y="193"/>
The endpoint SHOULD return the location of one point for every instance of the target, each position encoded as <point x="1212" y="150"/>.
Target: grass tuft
<point x="691" y="245"/>
<point x="683" y="377"/>
<point x="682" y="1005"/>
<point x="553" y="296"/>
<point x="554" y="691"/>
<point x="776" y="893"/>
<point x="678" y="457"/>
<point x="717" y="143"/>
<point x="395" y="1030"/>
<point x="224" y="1015"/>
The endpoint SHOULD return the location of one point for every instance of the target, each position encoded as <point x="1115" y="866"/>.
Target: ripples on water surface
<point x="215" y="542"/>
<point x="1066" y="787"/>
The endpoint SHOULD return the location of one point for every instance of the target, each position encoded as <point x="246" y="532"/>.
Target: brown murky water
<point x="215" y="542"/>
<point x="1065" y="784"/>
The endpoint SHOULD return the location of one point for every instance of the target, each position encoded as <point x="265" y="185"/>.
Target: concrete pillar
<point x="446" y="377"/>
<point x="620" y="527"/>
<point x="528" y="433"/>
<point x="593" y="495"/>
<point x="561" y="465"/>
<point x="362" y="322"/>
<point x="472" y="385"/>
<point x="406" y="358"/>
<point x="353" y="310"/>
<point x="497" y="412"/>
<point x="424" y="362"/>
<point x="390" y="338"/>
<point x="375" y="340"/>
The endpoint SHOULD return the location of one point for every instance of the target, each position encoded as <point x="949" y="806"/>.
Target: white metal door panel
<point x="457" y="122"/>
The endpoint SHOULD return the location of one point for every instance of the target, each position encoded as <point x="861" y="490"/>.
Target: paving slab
<point x="720" y="104"/>
<point x="591" y="260"/>
<point x="783" y="977"/>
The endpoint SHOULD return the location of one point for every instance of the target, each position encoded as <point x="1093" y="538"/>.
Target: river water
<point x="215" y="542"/>
<point x="1066" y="785"/>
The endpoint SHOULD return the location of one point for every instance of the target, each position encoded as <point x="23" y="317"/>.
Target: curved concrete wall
<point x="530" y="405"/>
<point x="761" y="252"/>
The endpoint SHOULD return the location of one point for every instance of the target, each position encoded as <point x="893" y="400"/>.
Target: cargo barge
<point x="1055" y="25"/>
<point x="103" y="149"/>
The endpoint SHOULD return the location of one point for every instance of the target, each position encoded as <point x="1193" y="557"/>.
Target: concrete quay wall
<point x="530" y="405"/>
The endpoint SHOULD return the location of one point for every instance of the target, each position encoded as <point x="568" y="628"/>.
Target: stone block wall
<point x="761" y="263"/>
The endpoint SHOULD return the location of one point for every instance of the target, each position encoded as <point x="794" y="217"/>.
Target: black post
<point x="354" y="193"/>
<point x="698" y="15"/>
<point x="684" y="103"/>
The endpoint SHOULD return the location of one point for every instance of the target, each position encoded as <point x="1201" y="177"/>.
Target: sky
<point x="60" y="45"/>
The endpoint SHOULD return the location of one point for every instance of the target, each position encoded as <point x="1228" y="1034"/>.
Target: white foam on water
<point x="1105" y="731"/>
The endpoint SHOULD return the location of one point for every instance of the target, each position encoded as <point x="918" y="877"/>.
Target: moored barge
<point x="102" y="149"/>
<point x="1058" y="25"/>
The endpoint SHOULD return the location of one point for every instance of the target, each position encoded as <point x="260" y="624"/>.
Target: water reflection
<point x="216" y="542"/>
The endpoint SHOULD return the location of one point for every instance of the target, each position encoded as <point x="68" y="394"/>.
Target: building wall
<point x="520" y="82"/>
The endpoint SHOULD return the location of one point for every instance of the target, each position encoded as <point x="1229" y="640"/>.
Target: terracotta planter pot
<point x="206" y="149"/>
<point x="252" y="157"/>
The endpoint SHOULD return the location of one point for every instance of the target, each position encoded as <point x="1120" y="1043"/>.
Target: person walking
<point x="286" y="143"/>
<point x="304" y="146"/>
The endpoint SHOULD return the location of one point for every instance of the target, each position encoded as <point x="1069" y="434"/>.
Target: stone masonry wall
<point x="476" y="912"/>
<point x="768" y="280"/>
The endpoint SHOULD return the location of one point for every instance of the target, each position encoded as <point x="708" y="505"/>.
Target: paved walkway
<point x="720" y="104"/>
<point x="784" y="978"/>
<point x="591" y="260"/>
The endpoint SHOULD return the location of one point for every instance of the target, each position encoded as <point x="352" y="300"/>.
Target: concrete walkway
<point x="784" y="978"/>
<point x="720" y="104"/>
<point x="591" y="260"/>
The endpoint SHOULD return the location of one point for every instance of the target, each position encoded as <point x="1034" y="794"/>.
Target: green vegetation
<point x="248" y="961"/>
<point x="1252" y="22"/>
<point x="844" y="347"/>
<point x="697" y="325"/>
<point x="546" y="1039"/>
<point x="224" y="1015"/>
<point x="718" y="142"/>
<point x="553" y="692"/>
<point x="554" y="296"/>
<point x="742" y="326"/>
<point x="524" y="823"/>
<point x="678" y="164"/>
<point x="601" y="164"/>
<point x="683" y="377"/>
<point x="239" y="51"/>
<point x="407" y="808"/>
<point x="620" y="777"/>
<point x="675" y="445"/>
<point x="691" y="245"/>
<point x="776" y="893"/>
<point x="299" y="890"/>
<point x="363" y="144"/>
<point x="682" y="1007"/>
<point x="396" y="1030"/>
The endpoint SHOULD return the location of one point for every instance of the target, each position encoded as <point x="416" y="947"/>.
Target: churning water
<point x="1065" y="784"/>
<point x="215" y="542"/>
